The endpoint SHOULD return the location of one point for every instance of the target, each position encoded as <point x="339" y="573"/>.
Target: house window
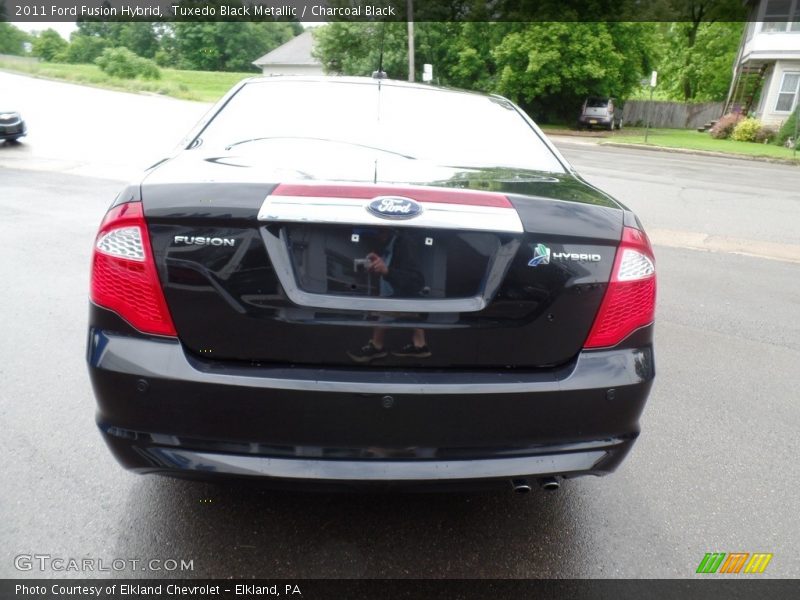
<point x="788" y="92"/>
<point x="781" y="15"/>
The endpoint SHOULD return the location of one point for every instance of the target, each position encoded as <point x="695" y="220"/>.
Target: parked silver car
<point x="600" y="112"/>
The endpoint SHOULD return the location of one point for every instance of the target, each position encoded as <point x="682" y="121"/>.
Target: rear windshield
<point x="441" y="127"/>
<point x="597" y="102"/>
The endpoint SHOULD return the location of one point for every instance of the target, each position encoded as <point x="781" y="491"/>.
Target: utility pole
<point x="411" y="40"/>
<point x="653" y="81"/>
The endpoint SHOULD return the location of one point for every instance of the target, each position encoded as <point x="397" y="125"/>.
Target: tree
<point x="354" y="48"/>
<point x="458" y="51"/>
<point x="48" y="45"/>
<point x="703" y="70"/>
<point x="547" y="67"/>
<point x="692" y="18"/>
<point x="475" y="65"/>
<point x="84" y="48"/>
<point x="141" y="37"/>
<point x="223" y="46"/>
<point x="12" y="40"/>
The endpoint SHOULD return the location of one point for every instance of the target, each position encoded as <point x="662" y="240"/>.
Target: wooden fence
<point x="677" y="115"/>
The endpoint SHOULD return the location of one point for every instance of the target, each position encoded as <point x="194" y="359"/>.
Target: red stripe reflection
<point x="420" y="194"/>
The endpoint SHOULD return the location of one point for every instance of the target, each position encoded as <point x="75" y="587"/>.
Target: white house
<point x="292" y="58"/>
<point x="768" y="62"/>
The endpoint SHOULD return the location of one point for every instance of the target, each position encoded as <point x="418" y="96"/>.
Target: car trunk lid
<point x="266" y="272"/>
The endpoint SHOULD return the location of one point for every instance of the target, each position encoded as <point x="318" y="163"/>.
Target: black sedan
<point x="365" y="282"/>
<point x="12" y="127"/>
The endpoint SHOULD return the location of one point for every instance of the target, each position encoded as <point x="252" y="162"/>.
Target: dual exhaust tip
<point x="522" y="486"/>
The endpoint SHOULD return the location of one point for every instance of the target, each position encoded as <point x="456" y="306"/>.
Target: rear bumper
<point x="163" y="410"/>
<point x="14" y="131"/>
<point x="594" y="120"/>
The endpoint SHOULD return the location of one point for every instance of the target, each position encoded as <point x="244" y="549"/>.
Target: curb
<point x="707" y="242"/>
<point x="574" y="134"/>
<point x="766" y="159"/>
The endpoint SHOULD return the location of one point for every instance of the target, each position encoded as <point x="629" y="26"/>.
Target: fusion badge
<point x="191" y="240"/>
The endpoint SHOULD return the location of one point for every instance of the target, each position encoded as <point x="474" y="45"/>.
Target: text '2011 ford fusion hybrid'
<point x="360" y="281"/>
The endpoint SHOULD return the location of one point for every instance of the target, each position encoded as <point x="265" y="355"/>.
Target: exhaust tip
<point x="549" y="484"/>
<point x="520" y="486"/>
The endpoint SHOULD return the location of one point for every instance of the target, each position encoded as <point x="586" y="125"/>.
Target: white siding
<point x="768" y="114"/>
<point x="766" y="45"/>
<point x="774" y="40"/>
<point x="769" y="75"/>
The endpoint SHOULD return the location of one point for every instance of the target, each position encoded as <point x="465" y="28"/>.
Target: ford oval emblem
<point x="394" y="207"/>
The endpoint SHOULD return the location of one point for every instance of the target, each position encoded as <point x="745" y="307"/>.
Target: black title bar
<point x="379" y="10"/>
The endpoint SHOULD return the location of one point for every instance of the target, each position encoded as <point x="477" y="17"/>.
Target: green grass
<point x="694" y="140"/>
<point x="204" y="86"/>
<point x="555" y="127"/>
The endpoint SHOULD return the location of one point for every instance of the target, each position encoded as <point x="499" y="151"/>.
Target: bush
<point x="122" y="63"/>
<point x="746" y="130"/>
<point x="163" y="58"/>
<point x="787" y="130"/>
<point x="765" y="134"/>
<point x="723" y="128"/>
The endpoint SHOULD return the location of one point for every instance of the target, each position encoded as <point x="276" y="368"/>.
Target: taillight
<point x="630" y="300"/>
<point x="124" y="277"/>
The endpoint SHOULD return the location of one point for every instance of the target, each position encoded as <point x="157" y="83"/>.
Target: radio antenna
<point x="380" y="73"/>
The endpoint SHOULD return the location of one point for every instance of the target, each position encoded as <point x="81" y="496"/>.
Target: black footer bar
<point x="386" y="589"/>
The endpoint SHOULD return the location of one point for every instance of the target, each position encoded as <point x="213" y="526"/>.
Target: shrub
<point x="765" y="134"/>
<point x="723" y="128"/>
<point x="121" y="62"/>
<point x="84" y="49"/>
<point x="163" y="58"/>
<point x="787" y="130"/>
<point x="746" y="130"/>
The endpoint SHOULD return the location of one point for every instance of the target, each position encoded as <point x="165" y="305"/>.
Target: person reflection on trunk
<point x="399" y="275"/>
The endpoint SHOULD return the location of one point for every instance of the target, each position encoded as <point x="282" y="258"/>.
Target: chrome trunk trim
<point x="354" y="211"/>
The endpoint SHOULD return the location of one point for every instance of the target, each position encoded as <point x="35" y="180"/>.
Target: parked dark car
<point x="400" y="285"/>
<point x="600" y="112"/>
<point x="12" y="127"/>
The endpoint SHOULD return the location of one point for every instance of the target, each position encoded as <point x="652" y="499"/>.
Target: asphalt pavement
<point x="715" y="468"/>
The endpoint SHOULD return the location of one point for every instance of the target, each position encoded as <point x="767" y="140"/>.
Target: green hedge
<point x="122" y="63"/>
